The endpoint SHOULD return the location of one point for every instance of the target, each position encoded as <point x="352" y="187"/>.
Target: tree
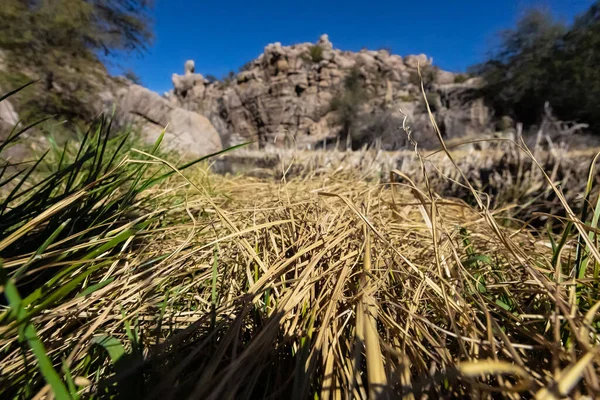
<point x="575" y="84"/>
<point x="517" y="74"/>
<point x="211" y="78"/>
<point x="63" y="43"/>
<point x="544" y="60"/>
<point x="132" y="76"/>
<point x="349" y="102"/>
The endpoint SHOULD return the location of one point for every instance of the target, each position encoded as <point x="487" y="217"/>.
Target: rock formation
<point x="284" y="97"/>
<point x="189" y="82"/>
<point x="287" y="98"/>
<point x="188" y="133"/>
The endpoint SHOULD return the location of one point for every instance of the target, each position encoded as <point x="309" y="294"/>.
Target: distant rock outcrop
<point x="284" y="97"/>
<point x="187" y="133"/>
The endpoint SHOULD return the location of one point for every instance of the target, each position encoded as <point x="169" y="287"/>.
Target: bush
<point x="428" y="74"/>
<point x="132" y="76"/>
<point x="383" y="127"/>
<point x="211" y="78"/>
<point x="316" y="54"/>
<point x="246" y="66"/>
<point x="228" y="79"/>
<point x="408" y="98"/>
<point x="518" y="76"/>
<point x="461" y="78"/>
<point x="62" y="43"/>
<point x="67" y="220"/>
<point x="73" y="104"/>
<point x="349" y="101"/>
<point x="544" y="60"/>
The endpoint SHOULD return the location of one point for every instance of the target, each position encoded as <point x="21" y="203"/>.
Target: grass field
<point x="331" y="275"/>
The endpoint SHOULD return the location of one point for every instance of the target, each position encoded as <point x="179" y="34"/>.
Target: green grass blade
<point x="61" y="292"/>
<point x="44" y="364"/>
<point x="120" y="238"/>
<point x="17" y="90"/>
<point x="580" y="268"/>
<point x="69" y="379"/>
<point x="14" y="136"/>
<point x="97" y="286"/>
<point x="154" y="181"/>
<point x="15" y="190"/>
<point x="113" y="347"/>
<point x="116" y="152"/>
<point x="42" y="248"/>
<point x="163" y="307"/>
<point x="561" y="243"/>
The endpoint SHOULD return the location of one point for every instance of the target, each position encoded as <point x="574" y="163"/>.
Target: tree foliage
<point x="316" y="54"/>
<point x="63" y="42"/>
<point x="542" y="59"/>
<point x="349" y="101"/>
<point x="576" y="76"/>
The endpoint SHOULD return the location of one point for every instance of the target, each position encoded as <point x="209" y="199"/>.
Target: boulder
<point x="282" y="66"/>
<point x="189" y="67"/>
<point x="22" y="149"/>
<point x="324" y="42"/>
<point x="344" y="61"/>
<point x="465" y="112"/>
<point x="412" y="61"/>
<point x="366" y="59"/>
<point x="394" y="62"/>
<point x="187" y="133"/>
<point x="8" y="116"/>
<point x="189" y="81"/>
<point x="444" y="77"/>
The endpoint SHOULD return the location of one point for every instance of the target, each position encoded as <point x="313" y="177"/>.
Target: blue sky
<point x="221" y="36"/>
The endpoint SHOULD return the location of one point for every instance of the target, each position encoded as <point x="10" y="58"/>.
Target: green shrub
<point x="211" y="78"/>
<point x="348" y="102"/>
<point x="132" y="76"/>
<point x="63" y="44"/>
<point x="75" y="105"/>
<point x="246" y="66"/>
<point x="543" y="60"/>
<point x="227" y="79"/>
<point x="519" y="75"/>
<point x="65" y="219"/>
<point x="407" y="98"/>
<point x="316" y="54"/>
<point x="433" y="99"/>
<point x="428" y="73"/>
<point x="461" y="78"/>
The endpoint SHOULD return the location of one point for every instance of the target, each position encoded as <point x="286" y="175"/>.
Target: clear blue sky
<point x="223" y="35"/>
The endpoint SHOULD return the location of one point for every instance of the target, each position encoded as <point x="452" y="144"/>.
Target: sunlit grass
<point x="128" y="276"/>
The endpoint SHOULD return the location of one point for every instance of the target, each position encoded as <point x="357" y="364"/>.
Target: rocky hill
<point x="298" y="96"/>
<point x="307" y="95"/>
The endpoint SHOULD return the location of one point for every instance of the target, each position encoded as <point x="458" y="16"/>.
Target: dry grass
<point x="333" y="286"/>
<point x="361" y="282"/>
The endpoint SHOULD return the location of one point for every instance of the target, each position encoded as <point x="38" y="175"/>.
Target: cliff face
<point x="303" y="96"/>
<point x="288" y="97"/>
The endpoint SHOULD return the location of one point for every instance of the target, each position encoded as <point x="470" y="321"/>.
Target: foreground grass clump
<point x="65" y="219"/>
<point x="321" y="285"/>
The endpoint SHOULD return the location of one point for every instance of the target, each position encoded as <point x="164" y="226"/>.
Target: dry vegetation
<point x="352" y="281"/>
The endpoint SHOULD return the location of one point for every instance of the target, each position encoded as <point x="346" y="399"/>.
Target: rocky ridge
<point x="284" y="98"/>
